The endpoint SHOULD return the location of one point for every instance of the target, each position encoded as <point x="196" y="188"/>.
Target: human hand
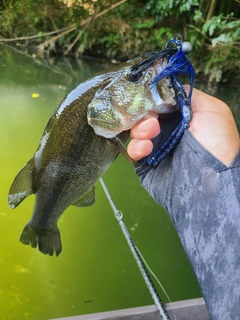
<point x="212" y="125"/>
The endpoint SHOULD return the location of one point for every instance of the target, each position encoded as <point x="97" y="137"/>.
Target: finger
<point x="138" y="149"/>
<point x="145" y="129"/>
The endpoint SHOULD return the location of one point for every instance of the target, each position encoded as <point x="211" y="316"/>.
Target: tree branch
<point x="82" y="23"/>
<point x="80" y="33"/>
<point x="63" y="31"/>
<point x="34" y="36"/>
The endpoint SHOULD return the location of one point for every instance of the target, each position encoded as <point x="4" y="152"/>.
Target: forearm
<point x="202" y="197"/>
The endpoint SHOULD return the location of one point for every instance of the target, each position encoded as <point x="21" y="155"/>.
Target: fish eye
<point x="134" y="77"/>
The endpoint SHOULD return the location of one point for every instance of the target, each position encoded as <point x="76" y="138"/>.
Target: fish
<point x="82" y="138"/>
<point x="113" y="111"/>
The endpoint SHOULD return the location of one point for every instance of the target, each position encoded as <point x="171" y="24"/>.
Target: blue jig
<point x="178" y="63"/>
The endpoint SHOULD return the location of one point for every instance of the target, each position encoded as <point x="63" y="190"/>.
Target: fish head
<point x="128" y="98"/>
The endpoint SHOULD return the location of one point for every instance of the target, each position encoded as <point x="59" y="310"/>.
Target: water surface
<point x="95" y="271"/>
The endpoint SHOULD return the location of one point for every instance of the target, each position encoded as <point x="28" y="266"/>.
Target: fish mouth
<point x="103" y="128"/>
<point x="161" y="94"/>
<point x="94" y="115"/>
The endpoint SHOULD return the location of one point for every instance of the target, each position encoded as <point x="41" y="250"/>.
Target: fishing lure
<point x="178" y="63"/>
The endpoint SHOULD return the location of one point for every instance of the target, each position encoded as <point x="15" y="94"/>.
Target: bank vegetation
<point x="122" y="29"/>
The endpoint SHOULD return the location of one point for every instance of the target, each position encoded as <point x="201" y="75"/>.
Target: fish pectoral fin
<point x="86" y="200"/>
<point x="122" y="149"/>
<point x="21" y="186"/>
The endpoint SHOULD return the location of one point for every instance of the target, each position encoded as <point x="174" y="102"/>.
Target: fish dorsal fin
<point x="122" y="149"/>
<point x="21" y="186"/>
<point x="87" y="199"/>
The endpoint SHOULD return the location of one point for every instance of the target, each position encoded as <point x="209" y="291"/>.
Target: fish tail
<point x="48" y="241"/>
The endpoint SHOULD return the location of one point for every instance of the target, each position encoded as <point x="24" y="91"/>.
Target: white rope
<point x="137" y="255"/>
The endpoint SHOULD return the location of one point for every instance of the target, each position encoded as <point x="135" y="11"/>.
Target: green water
<point x="95" y="271"/>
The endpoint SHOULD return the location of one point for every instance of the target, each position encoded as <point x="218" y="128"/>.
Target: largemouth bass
<point x="71" y="157"/>
<point x="126" y="100"/>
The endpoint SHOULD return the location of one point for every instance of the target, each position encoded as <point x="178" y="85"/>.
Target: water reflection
<point x="95" y="272"/>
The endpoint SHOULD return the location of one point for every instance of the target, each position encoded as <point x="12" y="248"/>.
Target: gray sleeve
<point x="202" y="197"/>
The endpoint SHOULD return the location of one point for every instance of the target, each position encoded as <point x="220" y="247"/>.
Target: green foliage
<point x="225" y="29"/>
<point x="219" y="39"/>
<point x="166" y="8"/>
<point x="134" y="27"/>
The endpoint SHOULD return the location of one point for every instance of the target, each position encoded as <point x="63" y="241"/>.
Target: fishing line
<point x="137" y="255"/>
<point x="153" y="274"/>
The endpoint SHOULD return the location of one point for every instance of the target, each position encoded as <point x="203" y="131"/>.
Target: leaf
<point x="211" y="29"/>
<point x="224" y="38"/>
<point x="146" y="24"/>
<point x="233" y="24"/>
<point x="197" y="16"/>
<point x="205" y="26"/>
